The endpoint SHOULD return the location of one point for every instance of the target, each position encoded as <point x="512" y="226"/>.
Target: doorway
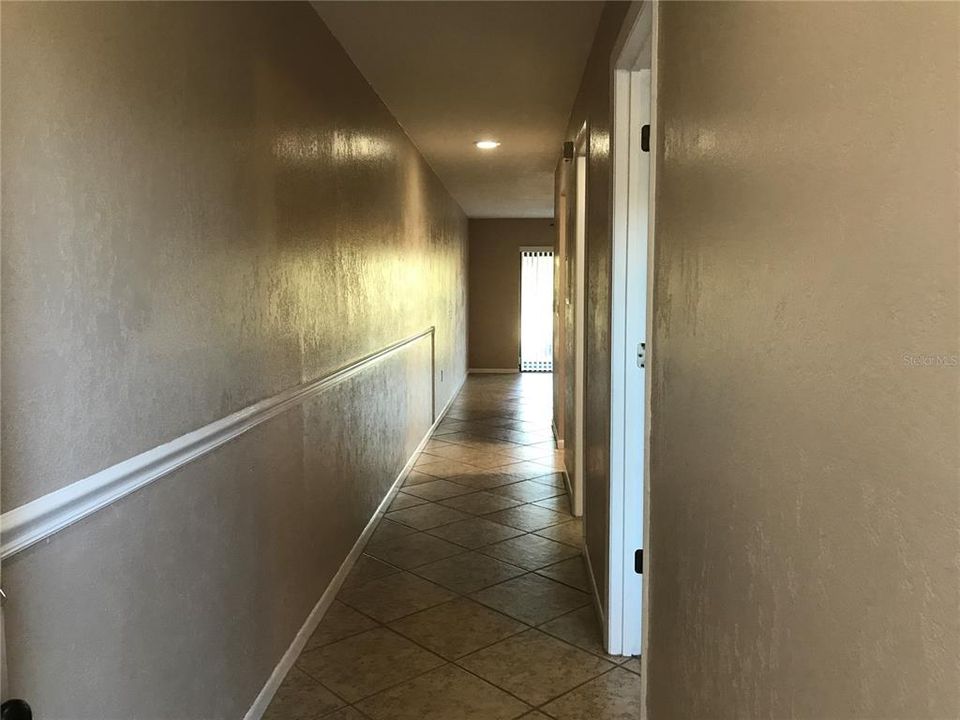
<point x="536" y="309"/>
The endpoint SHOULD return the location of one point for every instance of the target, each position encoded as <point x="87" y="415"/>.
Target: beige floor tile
<point x="570" y="533"/>
<point x="300" y="697"/>
<point x="388" y="531"/>
<point x="425" y="458"/>
<point x="453" y="451"/>
<point x="502" y="433"/>
<point x="461" y="437"/>
<point x="475" y="532"/>
<point x="347" y="713"/>
<point x="528" y="491"/>
<point x="434" y="444"/>
<point x="529" y="426"/>
<point x="367" y="568"/>
<point x="480" y="503"/>
<point x="487" y="457"/>
<point x="534" y="666"/>
<point x="447" y="693"/>
<point x="549" y="444"/>
<point x="424" y="517"/>
<point x="535" y="715"/>
<point x="532" y="599"/>
<point x="410" y="551"/>
<point x="552" y="461"/>
<point x="523" y="517"/>
<point x="457" y="628"/>
<point x="633" y="665"/>
<point x="523" y="437"/>
<point x="572" y="572"/>
<point x="365" y="664"/>
<point x="530" y="552"/>
<point x="446" y="468"/>
<point x="560" y="504"/>
<point x="527" y="452"/>
<point x="394" y="596"/>
<point x="487" y="444"/>
<point x="554" y="479"/>
<point x="469" y="572"/>
<point x="526" y="469"/>
<point x="496" y="420"/>
<point x="612" y="696"/>
<point x="414" y="477"/>
<point x="403" y="500"/>
<point x="340" y="621"/>
<point x="437" y="490"/>
<point x="448" y="426"/>
<point x="581" y="628"/>
<point x="483" y="479"/>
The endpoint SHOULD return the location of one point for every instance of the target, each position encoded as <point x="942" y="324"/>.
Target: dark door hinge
<point x="15" y="710"/>
<point x="638" y="561"/>
<point x="645" y="138"/>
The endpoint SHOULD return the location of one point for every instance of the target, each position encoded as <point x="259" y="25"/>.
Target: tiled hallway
<point x="471" y="601"/>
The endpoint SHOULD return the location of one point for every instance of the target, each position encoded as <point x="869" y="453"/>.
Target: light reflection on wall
<point x="600" y="143"/>
<point x="305" y="147"/>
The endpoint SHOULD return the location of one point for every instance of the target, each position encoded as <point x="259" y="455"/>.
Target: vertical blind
<point x="536" y="311"/>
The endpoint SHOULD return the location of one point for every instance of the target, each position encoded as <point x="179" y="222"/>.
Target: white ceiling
<point x="456" y="72"/>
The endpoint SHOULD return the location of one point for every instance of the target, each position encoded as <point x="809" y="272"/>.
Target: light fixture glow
<point x="487" y="144"/>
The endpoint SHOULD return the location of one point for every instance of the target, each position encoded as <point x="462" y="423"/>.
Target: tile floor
<point x="471" y="601"/>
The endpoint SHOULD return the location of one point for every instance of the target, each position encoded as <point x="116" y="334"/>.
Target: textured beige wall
<point x="593" y="108"/>
<point x="805" y="491"/>
<point x="203" y="204"/>
<point x="494" y="287"/>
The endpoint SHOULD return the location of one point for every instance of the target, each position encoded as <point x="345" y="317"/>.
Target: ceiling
<point x="456" y="72"/>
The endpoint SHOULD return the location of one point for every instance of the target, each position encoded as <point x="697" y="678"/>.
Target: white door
<point x="635" y="377"/>
<point x="629" y="398"/>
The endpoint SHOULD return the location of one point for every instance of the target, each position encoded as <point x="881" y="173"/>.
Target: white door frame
<point x="559" y="322"/>
<point x="634" y="100"/>
<point x="579" y="316"/>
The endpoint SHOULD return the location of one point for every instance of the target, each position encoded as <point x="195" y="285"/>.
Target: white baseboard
<point x="492" y="371"/>
<point x="273" y="683"/>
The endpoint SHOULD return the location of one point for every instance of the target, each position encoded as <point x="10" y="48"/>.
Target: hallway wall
<point x="494" y="286"/>
<point x="592" y="107"/>
<point x="804" y="542"/>
<point x="204" y="204"/>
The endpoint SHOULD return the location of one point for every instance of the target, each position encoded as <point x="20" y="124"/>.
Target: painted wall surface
<point x="593" y="108"/>
<point x="805" y="503"/>
<point x="494" y="287"/>
<point x="203" y="204"/>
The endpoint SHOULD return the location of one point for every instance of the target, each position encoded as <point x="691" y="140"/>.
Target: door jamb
<point x="581" y="191"/>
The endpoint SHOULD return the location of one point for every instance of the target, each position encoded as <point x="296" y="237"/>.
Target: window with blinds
<point x="536" y="310"/>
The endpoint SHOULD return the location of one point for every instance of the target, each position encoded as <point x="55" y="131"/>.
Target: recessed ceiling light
<point x="487" y="144"/>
